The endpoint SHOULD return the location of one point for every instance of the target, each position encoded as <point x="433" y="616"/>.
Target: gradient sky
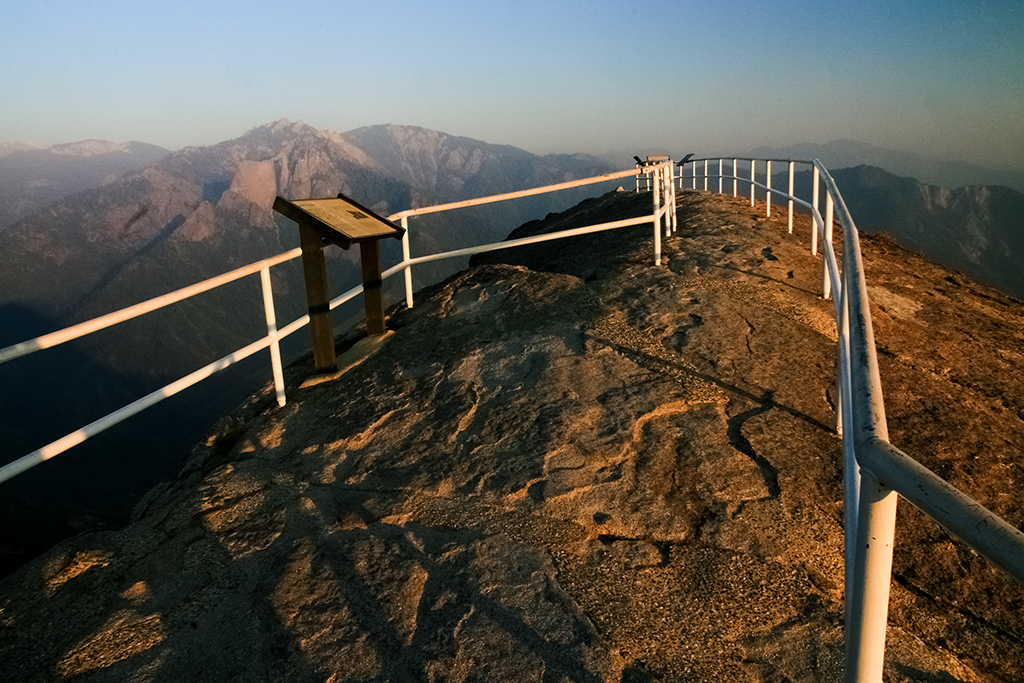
<point x="939" y="78"/>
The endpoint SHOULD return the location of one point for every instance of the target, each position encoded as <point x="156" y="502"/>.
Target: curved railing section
<point x="874" y="470"/>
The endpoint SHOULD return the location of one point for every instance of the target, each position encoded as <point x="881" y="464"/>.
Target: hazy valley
<point x="33" y="177"/>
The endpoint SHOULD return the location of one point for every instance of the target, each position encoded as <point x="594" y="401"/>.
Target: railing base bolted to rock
<point x="874" y="470"/>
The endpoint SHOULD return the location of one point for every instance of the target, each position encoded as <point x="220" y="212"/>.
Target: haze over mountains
<point x="976" y="229"/>
<point x="943" y="172"/>
<point x="202" y="211"/>
<point x="33" y="177"/>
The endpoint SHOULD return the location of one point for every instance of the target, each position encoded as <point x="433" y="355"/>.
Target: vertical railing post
<point x="752" y="178"/>
<point x="791" y="169"/>
<point x="814" y="202"/>
<point x="826" y="287"/>
<point x="876" y="514"/>
<point x="851" y="470"/>
<point x="734" y="180"/>
<point x="657" y="225"/>
<point x="720" y="176"/>
<point x="872" y="575"/>
<point x="406" y="255"/>
<point x="675" y="216"/>
<point x="768" y="192"/>
<point x="275" y="345"/>
<point x="670" y="200"/>
<point x="693" y="174"/>
<point x="705" y="175"/>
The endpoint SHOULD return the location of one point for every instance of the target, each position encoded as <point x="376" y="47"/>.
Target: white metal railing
<point x="662" y="210"/>
<point x="875" y="471"/>
<point x="664" y="185"/>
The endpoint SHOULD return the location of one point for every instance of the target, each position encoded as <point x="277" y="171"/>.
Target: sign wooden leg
<point x="318" y="298"/>
<point x="373" y="295"/>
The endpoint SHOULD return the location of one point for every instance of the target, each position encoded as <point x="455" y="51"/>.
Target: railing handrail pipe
<point x="516" y="195"/>
<point x="119" y="316"/>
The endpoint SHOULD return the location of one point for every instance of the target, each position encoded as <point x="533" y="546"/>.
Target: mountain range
<point x="976" y="229"/>
<point x="205" y="210"/>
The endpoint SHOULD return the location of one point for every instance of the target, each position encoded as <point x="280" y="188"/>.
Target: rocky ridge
<point x="568" y="465"/>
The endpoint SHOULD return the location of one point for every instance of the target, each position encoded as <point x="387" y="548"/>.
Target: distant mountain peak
<point x="283" y="127"/>
<point x="89" y="148"/>
<point x="403" y="135"/>
<point x="12" y="147"/>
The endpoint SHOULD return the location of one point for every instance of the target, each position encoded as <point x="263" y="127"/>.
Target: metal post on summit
<point x="753" y="177"/>
<point x="343" y="222"/>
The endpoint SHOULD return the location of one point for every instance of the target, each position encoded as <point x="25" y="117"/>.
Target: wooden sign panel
<point x="341" y="221"/>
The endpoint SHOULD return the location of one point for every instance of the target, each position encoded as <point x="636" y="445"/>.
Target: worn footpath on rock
<point x="568" y="464"/>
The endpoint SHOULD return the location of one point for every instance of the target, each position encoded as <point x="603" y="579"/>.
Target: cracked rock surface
<point x="568" y="464"/>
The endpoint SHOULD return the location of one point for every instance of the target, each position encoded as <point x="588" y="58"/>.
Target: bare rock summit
<point x="568" y="464"/>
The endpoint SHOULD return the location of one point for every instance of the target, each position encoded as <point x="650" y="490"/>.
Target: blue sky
<point x="940" y="78"/>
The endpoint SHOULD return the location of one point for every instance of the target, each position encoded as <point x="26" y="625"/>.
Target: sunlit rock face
<point x="567" y="464"/>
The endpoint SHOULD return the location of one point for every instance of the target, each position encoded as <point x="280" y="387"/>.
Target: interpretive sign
<point x="344" y="222"/>
<point x="339" y="220"/>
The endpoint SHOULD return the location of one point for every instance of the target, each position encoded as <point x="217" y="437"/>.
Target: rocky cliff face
<point x="976" y="229"/>
<point x="567" y="464"/>
<point x="446" y="168"/>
